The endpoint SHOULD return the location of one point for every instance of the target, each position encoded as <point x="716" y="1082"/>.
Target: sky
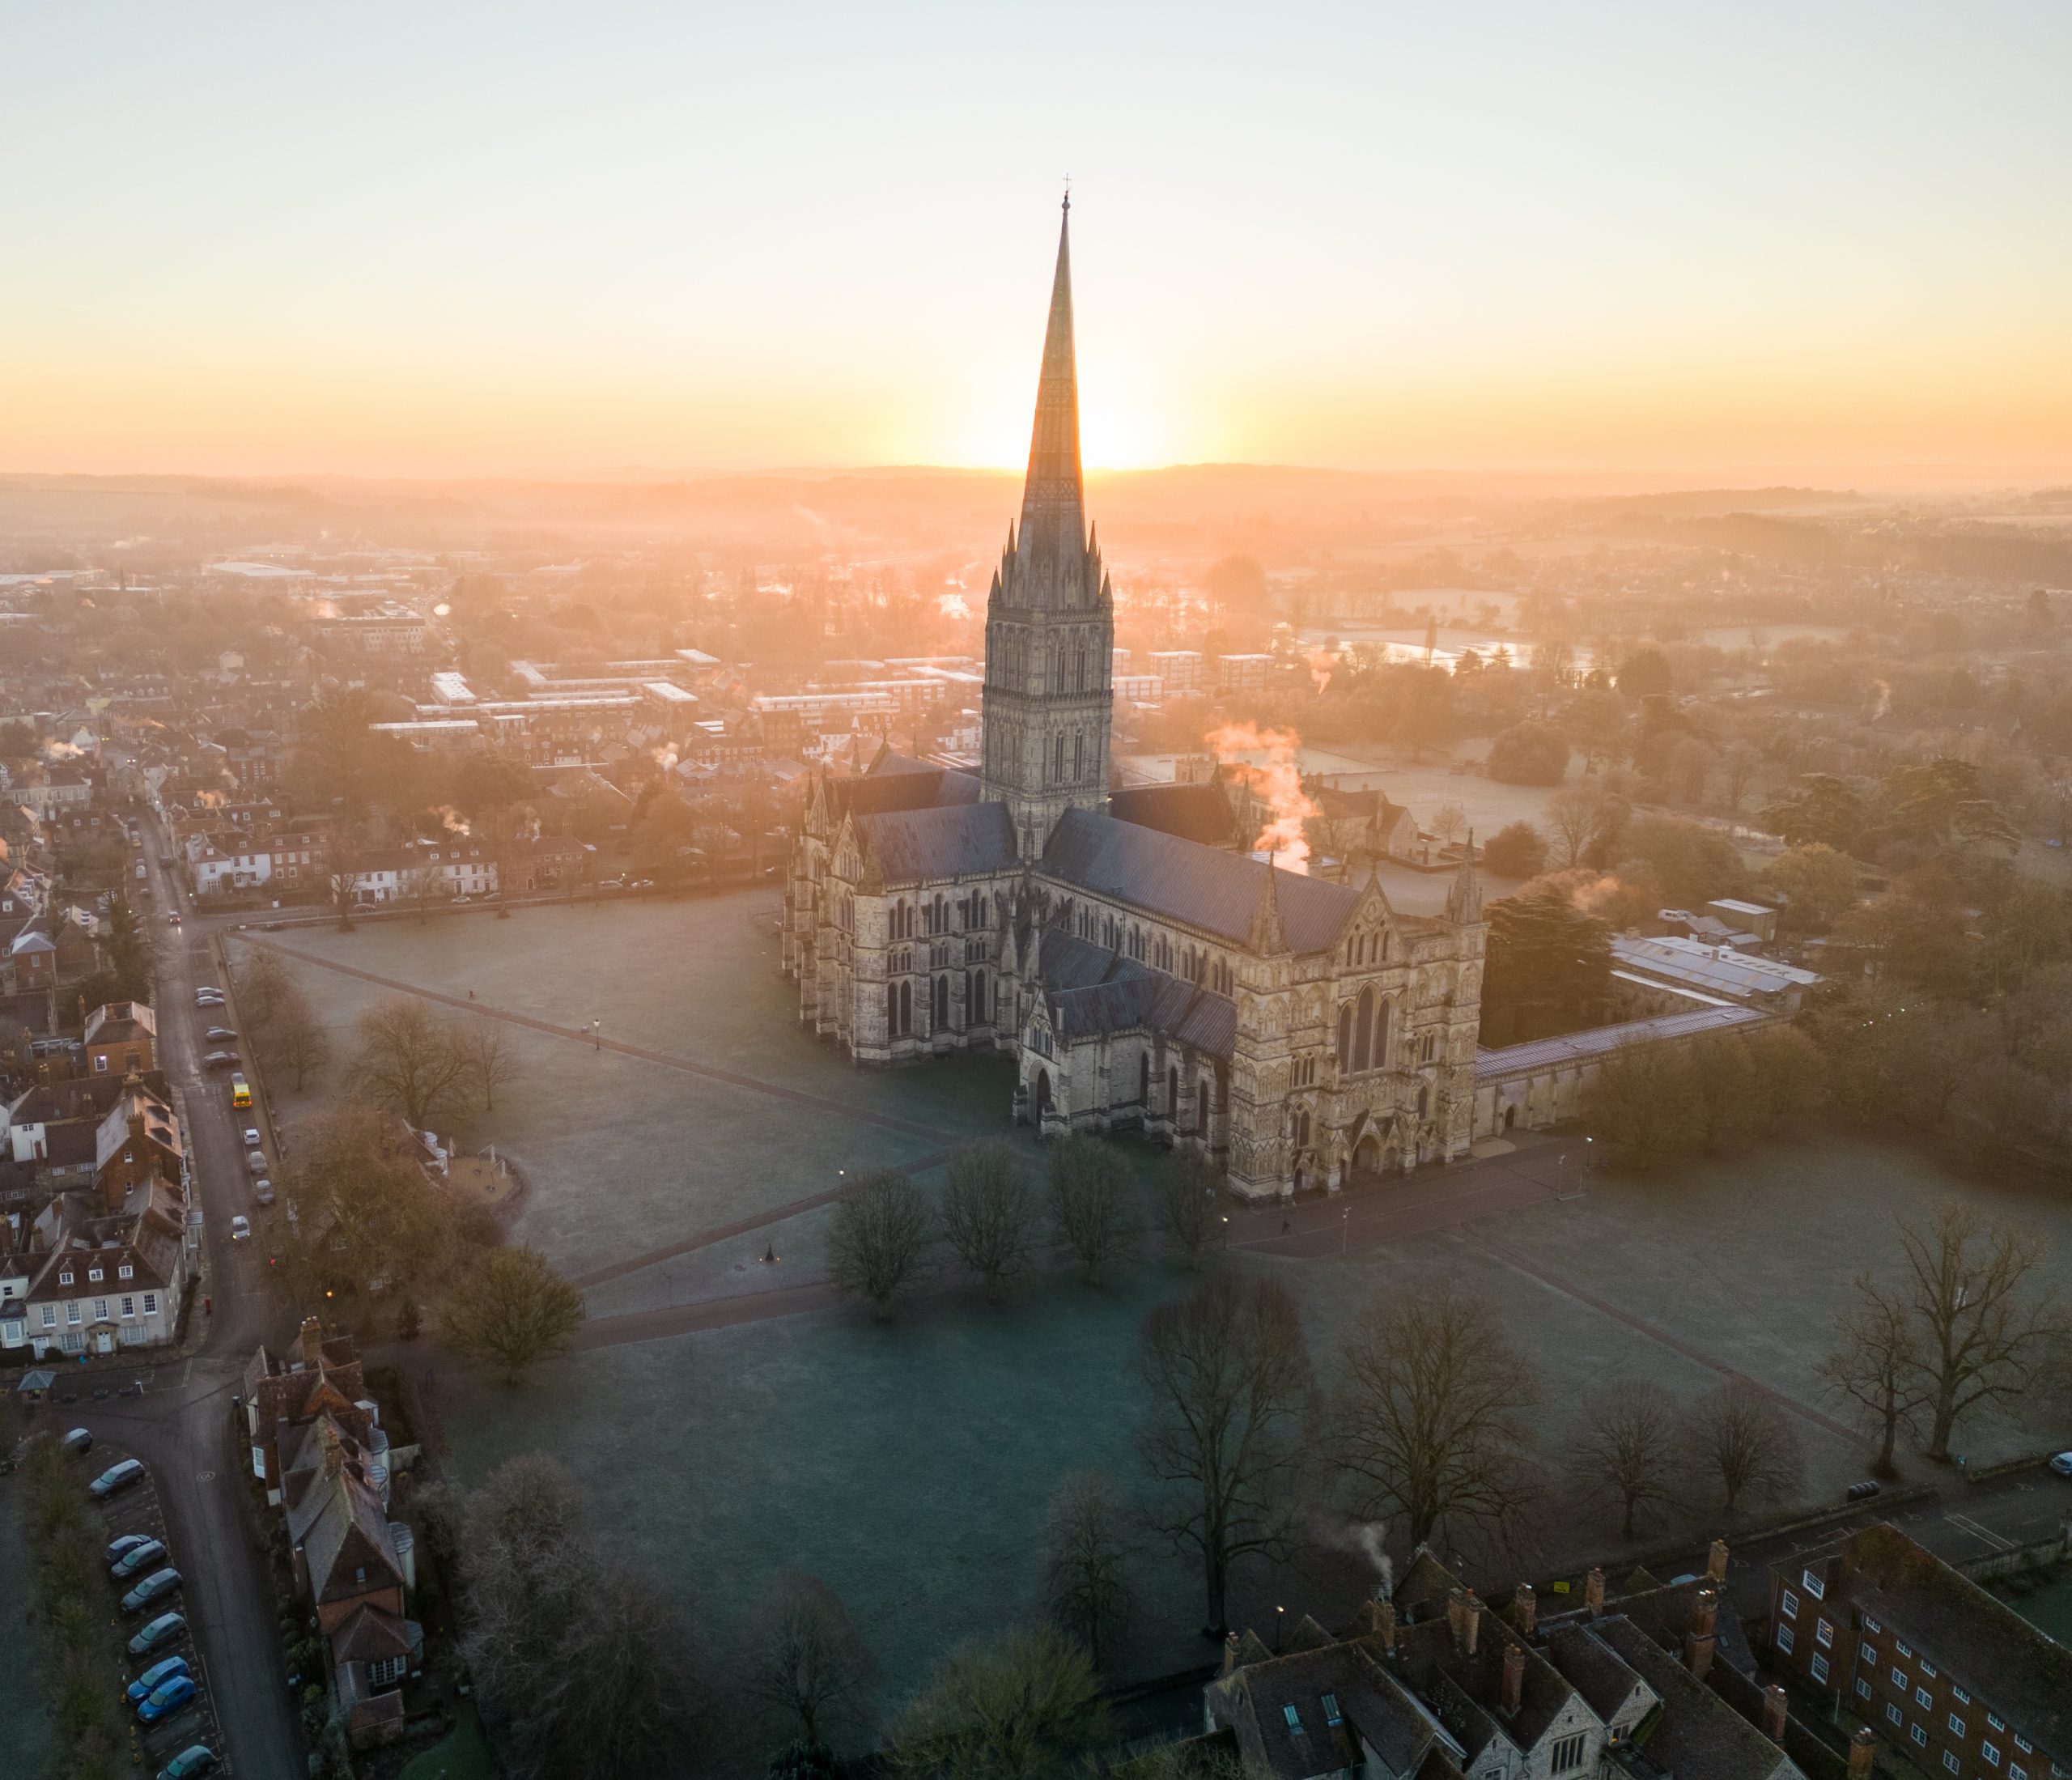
<point x="460" y="239"/>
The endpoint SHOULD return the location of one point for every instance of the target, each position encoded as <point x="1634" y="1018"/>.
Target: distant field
<point x="24" y="1702"/>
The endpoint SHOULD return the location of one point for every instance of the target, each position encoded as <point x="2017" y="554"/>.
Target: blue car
<point x="156" y="1677"/>
<point x="167" y="1699"/>
<point x="139" y="1558"/>
<point x="166" y="1625"/>
<point x="196" y="1758"/>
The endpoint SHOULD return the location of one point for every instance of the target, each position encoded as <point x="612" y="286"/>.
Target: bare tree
<point x="410" y="1062"/>
<point x="1580" y="817"/>
<point x="1232" y="1389"/>
<point x="1089" y="1201"/>
<point x="297" y="1039"/>
<point x="1189" y="1206"/>
<point x="1981" y="1337"/>
<point x="262" y="986"/>
<point x="1878" y="1367"/>
<point x="1628" y="1448"/>
<point x="1025" y="1705"/>
<point x="423" y="887"/>
<point x="581" y="1660"/>
<point x="1430" y="1415"/>
<point x="492" y="1060"/>
<point x="512" y="1308"/>
<point x="1087" y="1556"/>
<point x="1449" y="822"/>
<point x="1739" y="1435"/>
<point x="806" y="1663"/>
<point x="880" y="1227"/>
<point x="989" y="1212"/>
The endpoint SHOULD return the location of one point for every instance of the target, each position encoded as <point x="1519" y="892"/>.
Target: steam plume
<point x="1263" y="761"/>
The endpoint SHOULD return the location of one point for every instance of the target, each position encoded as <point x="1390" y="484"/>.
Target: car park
<point x="78" y="1440"/>
<point x="116" y="1477"/>
<point x="128" y="1542"/>
<point x="262" y="1190"/>
<point x="196" y="1758"/>
<point x="220" y="1034"/>
<point x="156" y="1677"/>
<point x="155" y="1586"/>
<point x="240" y="1228"/>
<point x="168" y="1698"/>
<point x="140" y="1557"/>
<point x="161" y="1630"/>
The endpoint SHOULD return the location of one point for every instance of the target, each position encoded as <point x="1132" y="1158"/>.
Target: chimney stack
<point x="1862" y="1753"/>
<point x="1715" y="1561"/>
<point x="1514" y="1676"/>
<point x="1705" y="1612"/>
<point x="1229" y="1652"/>
<point x="1773" y="1713"/>
<point x="1457" y="1617"/>
<point x="1594" y="1592"/>
<point x="1524" y="1609"/>
<point x="1385" y="1625"/>
<point x="1472" y="1627"/>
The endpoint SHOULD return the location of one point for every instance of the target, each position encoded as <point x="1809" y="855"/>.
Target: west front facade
<point x="1295" y="1030"/>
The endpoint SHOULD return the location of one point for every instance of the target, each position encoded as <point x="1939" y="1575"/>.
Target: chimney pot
<point x="1594" y="1592"/>
<point x="1524" y="1609"/>
<point x="1471" y="1622"/>
<point x="1229" y="1652"/>
<point x="1862" y="1753"/>
<point x="1514" y="1676"/>
<point x="1773" y="1713"/>
<point x="1715" y="1560"/>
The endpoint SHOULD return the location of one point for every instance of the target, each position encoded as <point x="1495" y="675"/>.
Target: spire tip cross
<point x="1067" y="205"/>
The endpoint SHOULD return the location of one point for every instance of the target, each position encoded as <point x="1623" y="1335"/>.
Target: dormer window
<point x="64" y="1279"/>
<point x="1332" y="1716"/>
<point x="1294" y="1720"/>
<point x="125" y="1271"/>
<point x="93" y="1276"/>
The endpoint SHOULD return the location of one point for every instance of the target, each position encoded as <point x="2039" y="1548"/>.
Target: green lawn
<point x="463" y="1755"/>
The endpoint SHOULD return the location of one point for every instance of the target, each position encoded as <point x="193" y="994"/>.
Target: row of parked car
<point x="167" y="1686"/>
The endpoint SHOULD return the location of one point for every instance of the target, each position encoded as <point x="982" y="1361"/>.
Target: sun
<point x="1114" y="434"/>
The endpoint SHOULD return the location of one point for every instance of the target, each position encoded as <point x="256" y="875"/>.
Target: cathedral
<point x="1295" y="1031"/>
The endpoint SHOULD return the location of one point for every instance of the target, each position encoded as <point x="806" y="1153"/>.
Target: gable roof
<point x="952" y="841"/>
<point x="1696" y="1735"/>
<point x="1091" y="990"/>
<point x="1202" y="887"/>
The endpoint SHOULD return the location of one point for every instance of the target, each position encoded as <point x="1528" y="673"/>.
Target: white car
<point x="250" y="1136"/>
<point x="240" y="1228"/>
<point x="2062" y="1464"/>
<point x="256" y="1160"/>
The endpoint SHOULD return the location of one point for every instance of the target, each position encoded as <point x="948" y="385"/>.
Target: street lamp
<point x="596" y="1043"/>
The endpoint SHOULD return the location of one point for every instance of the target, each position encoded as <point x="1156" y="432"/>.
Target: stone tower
<point x="1050" y="617"/>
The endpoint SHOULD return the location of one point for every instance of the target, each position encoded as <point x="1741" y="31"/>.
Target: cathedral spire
<point x="1464" y="899"/>
<point x="1053" y="500"/>
<point x="1267" y="935"/>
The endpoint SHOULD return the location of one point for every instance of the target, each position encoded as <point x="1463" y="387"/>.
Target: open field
<point x="907" y="1465"/>
<point x="24" y="1699"/>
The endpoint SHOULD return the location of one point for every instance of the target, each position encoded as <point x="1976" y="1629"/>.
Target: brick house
<point x="1936" y="1667"/>
<point x="121" y="1038"/>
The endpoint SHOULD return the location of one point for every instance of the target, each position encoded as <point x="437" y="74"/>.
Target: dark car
<point x="220" y="1034"/>
<point x="154" y="1678"/>
<point x="116" y="1477"/>
<point x="155" y="1586"/>
<point x="161" y="1630"/>
<point x="220" y="1060"/>
<point x="122" y="1546"/>
<point x="78" y="1440"/>
<point x="196" y="1758"/>
<point x="131" y="1562"/>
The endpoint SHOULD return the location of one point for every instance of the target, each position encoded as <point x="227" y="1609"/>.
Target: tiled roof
<point x="1600" y="1041"/>
<point x="1203" y="887"/>
<point x="1199" y="812"/>
<point x="1094" y="990"/>
<point x="1697" y="1735"/>
<point x="953" y="841"/>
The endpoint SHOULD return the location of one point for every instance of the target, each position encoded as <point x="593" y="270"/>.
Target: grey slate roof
<point x="952" y="841"/>
<point x="1092" y="990"/>
<point x="1198" y="812"/>
<point x="920" y="788"/>
<point x="1600" y="1041"/>
<point x="1203" y="887"/>
<point x="1697" y="1735"/>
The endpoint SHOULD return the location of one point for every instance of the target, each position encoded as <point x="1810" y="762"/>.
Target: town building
<point x="121" y="1038"/>
<point x="1296" y="1030"/>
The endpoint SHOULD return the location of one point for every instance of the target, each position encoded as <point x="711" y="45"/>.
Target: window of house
<point x="1991" y="1753"/>
<point x="1959" y="1695"/>
<point x="1824" y="1634"/>
<point x="1892" y="1712"/>
<point x="1569" y="1753"/>
<point x="2016" y="1771"/>
<point x="1294" y="1719"/>
<point x="1902" y="1646"/>
<point x="1862" y="1688"/>
<point x="1811" y="1583"/>
<point x="100" y="1310"/>
<point x="1922" y="1697"/>
<point x="65" y="1278"/>
<point x="1900" y="1679"/>
<point x="1993" y="1721"/>
<point x="1956" y="1726"/>
<point x="1790" y="1604"/>
<point x="2021" y="1743"/>
<point x="125" y="1271"/>
<point x="93" y="1276"/>
<point x="1950" y="1761"/>
<point x="1784" y="1639"/>
<point x="50" y="1316"/>
<point x="129" y="1306"/>
<point x="388" y="1672"/>
<point x="1332" y="1716"/>
<point x="1928" y="1668"/>
<point x="1918" y="1734"/>
<point x="1819" y="1666"/>
<point x="1869" y="1654"/>
<point x="150" y="1304"/>
<point x="72" y="1310"/>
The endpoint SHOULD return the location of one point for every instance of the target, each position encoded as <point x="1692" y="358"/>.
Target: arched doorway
<point x="1367" y="1155"/>
<point x="1042" y="1092"/>
<point x="1510" y="1117"/>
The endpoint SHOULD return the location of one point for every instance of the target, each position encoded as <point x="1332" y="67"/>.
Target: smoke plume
<point x="450" y="818"/>
<point x="1263" y="761"/>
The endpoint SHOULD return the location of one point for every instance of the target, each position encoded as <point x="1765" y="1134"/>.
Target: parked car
<point x="252" y="1137"/>
<point x="642" y="883"/>
<point x="220" y="1060"/>
<point x="118" y="1476"/>
<point x="196" y="1758"/>
<point x="133" y="1563"/>
<point x="171" y="1697"/>
<point x="173" y="918"/>
<point x="155" y="1586"/>
<point x="240" y="1228"/>
<point x="262" y="1190"/>
<point x="156" y="1677"/>
<point x="2062" y="1464"/>
<point x="161" y="1630"/>
<point x="256" y="1160"/>
<point x="220" y="1034"/>
<point x="78" y="1440"/>
<point x="207" y="996"/>
<point x="129" y="1542"/>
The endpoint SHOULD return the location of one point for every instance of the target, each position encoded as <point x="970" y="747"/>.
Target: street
<point x="181" y="1425"/>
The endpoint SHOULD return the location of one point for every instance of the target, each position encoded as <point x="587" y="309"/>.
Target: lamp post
<point x="597" y="1042"/>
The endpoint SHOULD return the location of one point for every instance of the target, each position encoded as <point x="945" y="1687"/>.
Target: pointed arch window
<point x="942" y="1005"/>
<point x="1345" y="1038"/>
<point x="1144" y="1079"/>
<point x="1061" y="758"/>
<point x="1173" y="1094"/>
<point x="1383" y="1009"/>
<point x="1078" y="758"/>
<point x="1363" y="1022"/>
<point x="905" y="1010"/>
